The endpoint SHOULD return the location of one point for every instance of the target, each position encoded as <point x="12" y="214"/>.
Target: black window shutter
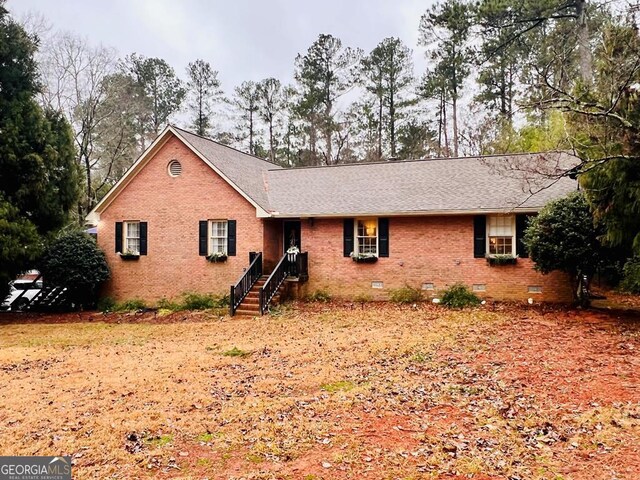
<point x="231" y="238"/>
<point x="119" y="237"/>
<point x="479" y="236"/>
<point x="348" y="237"/>
<point x="383" y="237"/>
<point x="522" y="222"/>
<point x="203" y="238"/>
<point x="143" y="238"/>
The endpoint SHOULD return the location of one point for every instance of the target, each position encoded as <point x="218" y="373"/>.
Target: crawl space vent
<point x="175" y="169"/>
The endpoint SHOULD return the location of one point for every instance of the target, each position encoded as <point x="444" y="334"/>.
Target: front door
<point x="291" y="234"/>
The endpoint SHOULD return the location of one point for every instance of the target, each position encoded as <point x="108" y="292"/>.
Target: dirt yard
<point x="327" y="392"/>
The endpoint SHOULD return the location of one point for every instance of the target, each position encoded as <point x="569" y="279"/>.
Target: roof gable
<point x="245" y="178"/>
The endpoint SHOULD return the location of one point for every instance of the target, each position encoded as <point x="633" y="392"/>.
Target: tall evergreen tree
<point x="163" y="91"/>
<point x="445" y="30"/>
<point x="605" y="122"/>
<point x="245" y="101"/>
<point x="204" y="90"/>
<point x="324" y="73"/>
<point x="387" y="74"/>
<point x="270" y="103"/>
<point x="38" y="174"/>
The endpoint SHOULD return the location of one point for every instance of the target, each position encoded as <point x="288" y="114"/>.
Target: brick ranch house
<point x="192" y="215"/>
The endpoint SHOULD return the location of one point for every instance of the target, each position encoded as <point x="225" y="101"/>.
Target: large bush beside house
<point x="563" y="237"/>
<point x="73" y="260"/>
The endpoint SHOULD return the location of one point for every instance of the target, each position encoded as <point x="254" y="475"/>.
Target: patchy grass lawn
<point x="327" y="392"/>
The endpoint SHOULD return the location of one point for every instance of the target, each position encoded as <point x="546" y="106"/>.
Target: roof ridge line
<point x="228" y="146"/>
<point x="415" y="160"/>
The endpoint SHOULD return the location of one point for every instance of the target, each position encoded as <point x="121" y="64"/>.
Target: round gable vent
<point x="175" y="169"/>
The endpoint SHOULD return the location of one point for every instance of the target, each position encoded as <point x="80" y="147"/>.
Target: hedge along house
<point x="192" y="215"/>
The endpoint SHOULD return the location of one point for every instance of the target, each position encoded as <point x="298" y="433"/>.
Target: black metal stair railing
<point x="271" y="286"/>
<point x="300" y="267"/>
<point x="246" y="281"/>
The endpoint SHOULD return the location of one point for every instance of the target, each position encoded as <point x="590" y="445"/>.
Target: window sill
<point x="364" y="259"/>
<point x="216" y="258"/>
<point x="498" y="260"/>
<point x="129" y="256"/>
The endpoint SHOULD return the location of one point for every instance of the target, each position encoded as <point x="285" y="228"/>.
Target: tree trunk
<point x="89" y="204"/>
<point x="445" y="125"/>
<point x="455" y="125"/>
<point x="327" y="135"/>
<point x="252" y="149"/>
<point x="380" y="127"/>
<point x="586" y="66"/>
<point x="440" y="113"/>
<point x="392" y="122"/>
<point x="272" y="155"/>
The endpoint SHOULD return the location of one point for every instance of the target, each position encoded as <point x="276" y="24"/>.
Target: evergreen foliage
<point x="38" y="180"/>
<point x="563" y="237"/>
<point x="74" y="261"/>
<point x="458" y="295"/>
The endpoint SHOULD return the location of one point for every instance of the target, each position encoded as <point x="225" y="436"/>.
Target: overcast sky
<point x="242" y="39"/>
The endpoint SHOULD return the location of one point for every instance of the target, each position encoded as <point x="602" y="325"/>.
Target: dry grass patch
<point x="327" y="391"/>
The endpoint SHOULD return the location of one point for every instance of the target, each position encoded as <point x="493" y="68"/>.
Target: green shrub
<point x="203" y="301"/>
<point x="631" y="276"/>
<point x="319" y="296"/>
<point x="133" y="305"/>
<point x="459" y="296"/>
<point x="166" y="304"/>
<point x="405" y="294"/>
<point x="73" y="260"/>
<point x="106" y="304"/>
<point x="363" y="298"/>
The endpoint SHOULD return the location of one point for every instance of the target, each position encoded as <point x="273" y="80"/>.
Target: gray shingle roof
<point x="247" y="172"/>
<point x="453" y="185"/>
<point x="523" y="182"/>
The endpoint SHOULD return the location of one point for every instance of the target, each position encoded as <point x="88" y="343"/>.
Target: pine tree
<point x="270" y="102"/>
<point x="387" y="74"/>
<point x="204" y="91"/>
<point x="324" y="73"/>
<point x="445" y="30"/>
<point x="245" y="101"/>
<point x="162" y="91"/>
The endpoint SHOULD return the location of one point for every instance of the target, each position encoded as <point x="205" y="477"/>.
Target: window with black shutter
<point x="522" y="222"/>
<point x="348" y="227"/>
<point x="383" y="237"/>
<point x="479" y="236"/>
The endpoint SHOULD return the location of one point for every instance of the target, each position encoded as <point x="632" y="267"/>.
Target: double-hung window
<point x="218" y="236"/>
<point x="132" y="237"/>
<point x="366" y="236"/>
<point x="501" y="235"/>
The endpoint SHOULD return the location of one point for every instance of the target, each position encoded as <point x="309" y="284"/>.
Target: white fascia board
<point x="260" y="212"/>
<point x="424" y="213"/>
<point x="127" y="177"/>
<point x="94" y="215"/>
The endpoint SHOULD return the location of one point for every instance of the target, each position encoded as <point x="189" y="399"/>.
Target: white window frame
<point x="224" y="238"/>
<point x="126" y="237"/>
<point x="356" y="237"/>
<point x="514" y="246"/>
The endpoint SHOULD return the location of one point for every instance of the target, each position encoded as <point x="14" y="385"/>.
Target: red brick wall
<point x="272" y="247"/>
<point x="173" y="207"/>
<point x="436" y="250"/>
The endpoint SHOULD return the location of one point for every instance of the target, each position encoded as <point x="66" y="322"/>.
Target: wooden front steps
<point x="250" y="306"/>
